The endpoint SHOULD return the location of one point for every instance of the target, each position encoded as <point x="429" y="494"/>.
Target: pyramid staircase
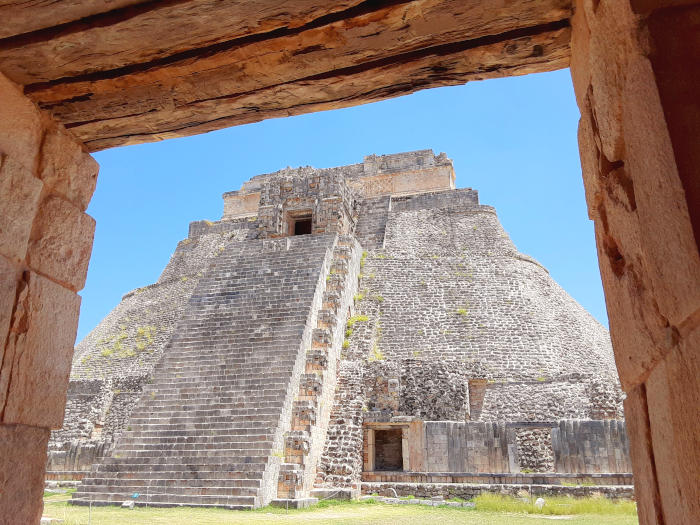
<point x="312" y="407"/>
<point x="209" y="429"/>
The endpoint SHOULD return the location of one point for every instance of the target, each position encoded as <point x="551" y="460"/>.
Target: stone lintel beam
<point x="191" y="73"/>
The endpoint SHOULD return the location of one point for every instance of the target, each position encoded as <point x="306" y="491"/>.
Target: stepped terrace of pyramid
<point x="339" y="330"/>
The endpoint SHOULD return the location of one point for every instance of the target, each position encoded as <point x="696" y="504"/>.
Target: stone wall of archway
<point x="637" y="88"/>
<point x="46" y="182"/>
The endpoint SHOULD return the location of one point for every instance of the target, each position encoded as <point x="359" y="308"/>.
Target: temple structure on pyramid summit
<point x="344" y="330"/>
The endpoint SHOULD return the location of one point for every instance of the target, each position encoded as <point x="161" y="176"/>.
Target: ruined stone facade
<point x="333" y="324"/>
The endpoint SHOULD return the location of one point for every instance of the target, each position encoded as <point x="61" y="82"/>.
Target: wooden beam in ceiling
<point x="308" y="61"/>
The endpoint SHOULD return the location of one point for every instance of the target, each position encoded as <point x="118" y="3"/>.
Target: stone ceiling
<point x="120" y="72"/>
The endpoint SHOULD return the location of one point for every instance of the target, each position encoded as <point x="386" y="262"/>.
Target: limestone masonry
<point x="360" y="327"/>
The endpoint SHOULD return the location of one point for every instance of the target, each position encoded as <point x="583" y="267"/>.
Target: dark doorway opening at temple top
<point x="302" y="226"/>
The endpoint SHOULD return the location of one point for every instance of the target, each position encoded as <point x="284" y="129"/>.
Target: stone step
<point x="234" y="385"/>
<point x="180" y="487"/>
<point x="242" y="463"/>
<point x="225" y="432"/>
<point x="186" y="404"/>
<point x="261" y="425"/>
<point x="186" y="417"/>
<point x="239" y="447"/>
<point x="185" y="410"/>
<point x="222" y="398"/>
<point x="260" y="440"/>
<point x="220" y="415"/>
<point x="111" y="498"/>
<point x="208" y="354"/>
<point x="177" y="451"/>
<point x="239" y="378"/>
<point x="226" y="370"/>
<point x="224" y="364"/>
<point x="154" y="475"/>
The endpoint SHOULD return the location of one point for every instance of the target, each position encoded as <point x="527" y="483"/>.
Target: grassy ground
<point x="489" y="511"/>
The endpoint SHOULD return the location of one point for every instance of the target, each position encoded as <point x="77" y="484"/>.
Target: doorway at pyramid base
<point x="341" y="330"/>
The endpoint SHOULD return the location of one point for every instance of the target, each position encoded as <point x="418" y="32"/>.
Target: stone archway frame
<point x="73" y="81"/>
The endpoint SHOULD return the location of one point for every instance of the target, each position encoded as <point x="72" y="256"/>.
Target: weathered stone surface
<point x="672" y="389"/>
<point x="9" y="275"/>
<point x="612" y="26"/>
<point x="109" y="91"/>
<point x="350" y="86"/>
<point x="20" y="129"/>
<point x="22" y="464"/>
<point x="24" y="17"/>
<point x="642" y="456"/>
<point x="36" y="360"/>
<point x="664" y="221"/>
<point x="62" y="242"/>
<point x="638" y="128"/>
<point x="19" y="200"/>
<point x="208" y="22"/>
<point x="65" y="168"/>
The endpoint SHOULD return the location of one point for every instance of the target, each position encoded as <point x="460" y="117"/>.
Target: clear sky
<point x="513" y="140"/>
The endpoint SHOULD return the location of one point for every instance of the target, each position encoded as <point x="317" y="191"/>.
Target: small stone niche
<point x="388" y="449"/>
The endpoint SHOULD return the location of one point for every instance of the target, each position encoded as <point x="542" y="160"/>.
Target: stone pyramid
<point x="338" y="329"/>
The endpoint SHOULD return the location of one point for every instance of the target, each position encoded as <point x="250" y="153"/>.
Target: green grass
<point x="595" y="512"/>
<point x="560" y="505"/>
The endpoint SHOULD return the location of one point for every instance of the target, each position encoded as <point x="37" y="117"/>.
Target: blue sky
<point x="512" y="139"/>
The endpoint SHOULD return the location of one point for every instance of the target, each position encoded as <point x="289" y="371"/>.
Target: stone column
<point x="637" y="81"/>
<point x="46" y="182"/>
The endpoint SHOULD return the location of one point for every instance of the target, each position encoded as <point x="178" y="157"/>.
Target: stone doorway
<point x="388" y="454"/>
<point x="386" y="447"/>
<point x="300" y="222"/>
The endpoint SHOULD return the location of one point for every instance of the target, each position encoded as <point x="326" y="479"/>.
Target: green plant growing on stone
<point x="379" y="298"/>
<point x="348" y="332"/>
<point x="356" y="319"/>
<point x="184" y="279"/>
<point x="358" y="297"/>
<point x="278" y="453"/>
<point x="346" y="343"/>
<point x="380" y="256"/>
<point x="462" y="311"/>
<point x="208" y="223"/>
<point x="362" y="259"/>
